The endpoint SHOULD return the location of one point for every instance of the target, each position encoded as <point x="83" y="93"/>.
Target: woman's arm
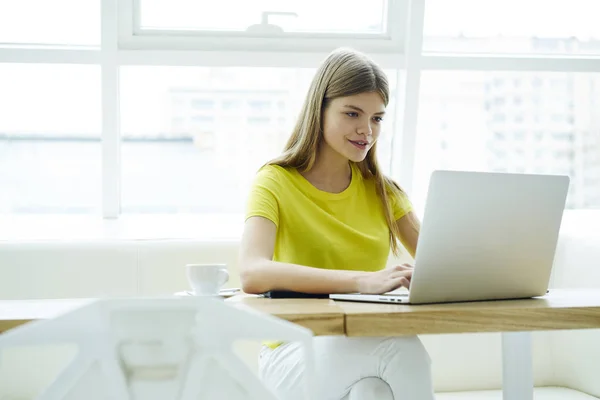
<point x="409" y="227"/>
<point x="259" y="273"/>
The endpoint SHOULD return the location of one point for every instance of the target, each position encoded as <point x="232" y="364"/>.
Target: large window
<point x="113" y="107"/>
<point x="193" y="138"/>
<point x="314" y="16"/>
<point x="49" y="139"/>
<point x="524" y="122"/>
<point x="50" y="22"/>
<point x="512" y="26"/>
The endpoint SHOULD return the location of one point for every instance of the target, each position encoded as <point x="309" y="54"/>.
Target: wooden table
<point x="18" y="312"/>
<point x="322" y="316"/>
<point x="560" y="310"/>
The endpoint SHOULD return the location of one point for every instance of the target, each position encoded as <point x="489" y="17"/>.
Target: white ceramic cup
<point x="206" y="279"/>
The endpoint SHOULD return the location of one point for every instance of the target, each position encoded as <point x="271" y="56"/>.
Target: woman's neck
<point x="331" y="172"/>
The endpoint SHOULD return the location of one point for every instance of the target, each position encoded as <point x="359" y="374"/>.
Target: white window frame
<point x="132" y="36"/>
<point x="111" y="134"/>
<point x="119" y="47"/>
<point x="469" y="62"/>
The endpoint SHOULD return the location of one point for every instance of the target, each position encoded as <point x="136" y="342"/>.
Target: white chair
<point x="171" y="348"/>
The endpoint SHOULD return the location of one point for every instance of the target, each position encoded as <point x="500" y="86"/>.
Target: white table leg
<point x="517" y="366"/>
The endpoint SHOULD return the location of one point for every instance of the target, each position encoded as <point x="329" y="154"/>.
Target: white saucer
<point x="223" y="293"/>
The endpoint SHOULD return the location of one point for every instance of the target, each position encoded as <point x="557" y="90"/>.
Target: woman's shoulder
<point x="274" y="170"/>
<point x="273" y="175"/>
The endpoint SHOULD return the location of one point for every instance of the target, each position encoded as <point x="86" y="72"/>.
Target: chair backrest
<point x="176" y="348"/>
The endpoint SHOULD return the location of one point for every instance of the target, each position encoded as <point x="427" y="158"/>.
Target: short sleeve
<point x="263" y="197"/>
<point x="401" y="204"/>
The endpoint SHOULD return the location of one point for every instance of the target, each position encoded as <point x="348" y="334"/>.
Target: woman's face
<point x="352" y="124"/>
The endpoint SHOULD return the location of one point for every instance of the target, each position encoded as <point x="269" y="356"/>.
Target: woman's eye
<point x="378" y="119"/>
<point x="352" y="114"/>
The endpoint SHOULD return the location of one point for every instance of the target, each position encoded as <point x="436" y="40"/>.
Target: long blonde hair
<point x="344" y="72"/>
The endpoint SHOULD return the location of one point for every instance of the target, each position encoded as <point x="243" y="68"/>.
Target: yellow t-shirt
<point x="345" y="230"/>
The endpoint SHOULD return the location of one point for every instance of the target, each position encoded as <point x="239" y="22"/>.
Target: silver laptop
<point x="484" y="236"/>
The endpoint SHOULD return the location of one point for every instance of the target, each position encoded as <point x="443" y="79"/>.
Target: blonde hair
<point x="344" y="72"/>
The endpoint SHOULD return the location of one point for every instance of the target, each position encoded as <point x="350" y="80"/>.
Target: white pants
<point x="341" y="362"/>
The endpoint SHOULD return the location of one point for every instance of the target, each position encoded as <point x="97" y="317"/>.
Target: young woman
<point x="322" y="218"/>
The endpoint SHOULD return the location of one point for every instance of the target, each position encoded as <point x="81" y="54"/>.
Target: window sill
<point x="207" y="227"/>
<point x="215" y="227"/>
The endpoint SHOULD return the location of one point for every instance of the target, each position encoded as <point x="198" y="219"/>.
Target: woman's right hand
<point x="386" y="280"/>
